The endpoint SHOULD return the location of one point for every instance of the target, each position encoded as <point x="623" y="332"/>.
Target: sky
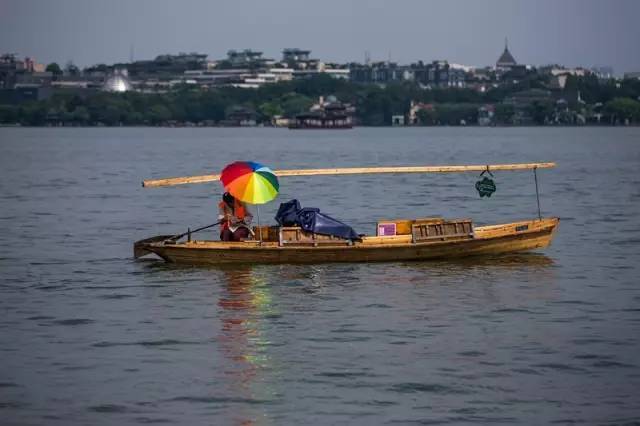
<point x="470" y="32"/>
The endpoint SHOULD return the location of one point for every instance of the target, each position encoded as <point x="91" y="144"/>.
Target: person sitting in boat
<point x="235" y="219"/>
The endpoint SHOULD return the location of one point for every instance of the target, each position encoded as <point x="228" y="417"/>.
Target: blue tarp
<point x="310" y="219"/>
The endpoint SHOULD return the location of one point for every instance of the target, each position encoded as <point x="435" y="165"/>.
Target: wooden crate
<point x="403" y="226"/>
<point x="269" y="233"/>
<point x="295" y="235"/>
<point x="442" y="230"/>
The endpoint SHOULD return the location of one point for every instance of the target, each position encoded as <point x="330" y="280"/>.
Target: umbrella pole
<point x="259" y="227"/>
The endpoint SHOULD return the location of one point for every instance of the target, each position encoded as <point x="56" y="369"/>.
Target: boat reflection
<point x="244" y="301"/>
<point x="528" y="264"/>
<point x="517" y="260"/>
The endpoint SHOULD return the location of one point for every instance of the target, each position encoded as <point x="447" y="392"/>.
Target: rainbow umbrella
<point x="250" y="182"/>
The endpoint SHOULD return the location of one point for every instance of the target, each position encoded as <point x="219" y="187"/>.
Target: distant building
<point x="118" y="82"/>
<point x="558" y="82"/>
<point x="603" y="73"/>
<point x="256" y="80"/>
<point x="299" y="59"/>
<point x="416" y="107"/>
<point x="486" y="114"/>
<point x="34" y="78"/>
<point x="506" y="61"/>
<point x="632" y="75"/>
<point x="441" y="74"/>
<point x="30" y="65"/>
<point x="295" y="55"/>
<point x="239" y="116"/>
<point x="481" y="79"/>
<point x="73" y="84"/>
<point x="375" y="72"/>
<point x="331" y="70"/>
<point x="166" y="64"/>
<point x="217" y="77"/>
<point x="340" y="73"/>
<point x="578" y="72"/>
<point x="559" y="75"/>
<point x="279" y="121"/>
<point x="9" y="67"/>
<point x="247" y="58"/>
<point x="282" y="74"/>
<point x="434" y="74"/>
<point x="329" y="114"/>
<point x="507" y="68"/>
<point x="397" y="120"/>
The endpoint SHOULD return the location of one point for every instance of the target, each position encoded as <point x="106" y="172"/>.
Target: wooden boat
<point x="483" y="240"/>
<point x="414" y="239"/>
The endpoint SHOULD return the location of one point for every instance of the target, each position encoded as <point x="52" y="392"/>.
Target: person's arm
<point x="222" y="214"/>
<point x="248" y="217"/>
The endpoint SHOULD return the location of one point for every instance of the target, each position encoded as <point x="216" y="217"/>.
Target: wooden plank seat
<point x="442" y="230"/>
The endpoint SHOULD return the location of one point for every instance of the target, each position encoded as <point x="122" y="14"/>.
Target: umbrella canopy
<point x="250" y="182"/>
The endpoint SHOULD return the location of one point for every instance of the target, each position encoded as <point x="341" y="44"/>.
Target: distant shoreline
<point x="631" y="125"/>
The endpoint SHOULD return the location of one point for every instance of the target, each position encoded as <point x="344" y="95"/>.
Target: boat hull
<point x="490" y="240"/>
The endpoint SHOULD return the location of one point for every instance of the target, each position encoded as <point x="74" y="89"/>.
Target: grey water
<point x="89" y="335"/>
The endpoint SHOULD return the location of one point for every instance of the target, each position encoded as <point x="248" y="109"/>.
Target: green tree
<point x="504" y="113"/>
<point x="427" y="117"/>
<point x="455" y="114"/>
<point x="375" y="108"/>
<point x="72" y="69"/>
<point x="54" y="68"/>
<point x="109" y="108"/>
<point x="293" y="103"/>
<point x="623" y="109"/>
<point x="9" y="114"/>
<point x="159" y="114"/>
<point x="269" y="110"/>
<point x="33" y="114"/>
<point x="541" y="112"/>
<point x="80" y="115"/>
<point x="98" y="67"/>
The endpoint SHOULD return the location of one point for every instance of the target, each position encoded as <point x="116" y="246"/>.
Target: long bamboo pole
<point x="358" y="170"/>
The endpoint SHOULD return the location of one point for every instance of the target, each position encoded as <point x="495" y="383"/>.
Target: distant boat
<point x="325" y="115"/>
<point x="395" y="240"/>
<point x="319" y="120"/>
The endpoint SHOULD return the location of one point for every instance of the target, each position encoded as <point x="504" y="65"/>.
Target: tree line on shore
<point x="374" y="105"/>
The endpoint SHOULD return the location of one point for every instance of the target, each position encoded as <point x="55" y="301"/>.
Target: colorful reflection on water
<point x="244" y="301"/>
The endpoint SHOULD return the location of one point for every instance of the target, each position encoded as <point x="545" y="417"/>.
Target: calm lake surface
<point x="90" y="336"/>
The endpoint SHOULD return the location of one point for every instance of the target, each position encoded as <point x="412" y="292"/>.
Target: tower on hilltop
<point x="506" y="61"/>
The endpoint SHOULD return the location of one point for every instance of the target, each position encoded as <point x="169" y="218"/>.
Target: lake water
<point x="90" y="336"/>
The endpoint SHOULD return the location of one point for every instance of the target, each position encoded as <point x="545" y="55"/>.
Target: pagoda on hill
<point x="506" y="61"/>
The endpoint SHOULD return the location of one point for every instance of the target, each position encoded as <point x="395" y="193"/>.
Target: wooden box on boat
<point x="294" y="235"/>
<point x="404" y="226"/>
<point x="269" y="233"/>
<point x="430" y="228"/>
<point x="442" y="230"/>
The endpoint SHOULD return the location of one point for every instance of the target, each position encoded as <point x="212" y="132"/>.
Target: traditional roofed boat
<point x="395" y="240"/>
